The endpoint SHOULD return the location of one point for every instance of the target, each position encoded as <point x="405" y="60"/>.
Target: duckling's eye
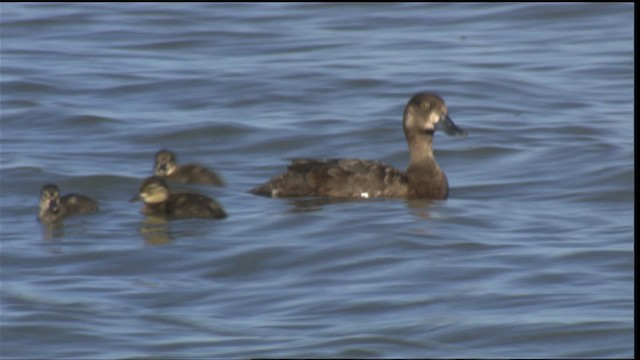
<point x="155" y="188"/>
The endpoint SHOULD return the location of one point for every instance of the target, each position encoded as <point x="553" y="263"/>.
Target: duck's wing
<point x="196" y="174"/>
<point x="193" y="205"/>
<point x="352" y="178"/>
<point x="76" y="204"/>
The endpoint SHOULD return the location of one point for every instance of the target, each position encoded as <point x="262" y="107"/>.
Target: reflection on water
<point x="420" y="208"/>
<point x="156" y="230"/>
<point x="51" y="231"/>
<point x="536" y="231"/>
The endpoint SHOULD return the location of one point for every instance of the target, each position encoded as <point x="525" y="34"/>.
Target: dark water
<point x="531" y="256"/>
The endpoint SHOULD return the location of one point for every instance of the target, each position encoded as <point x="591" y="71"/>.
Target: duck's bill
<point x="447" y="125"/>
<point x="135" y="198"/>
<point x="161" y="170"/>
<point x="54" y="207"/>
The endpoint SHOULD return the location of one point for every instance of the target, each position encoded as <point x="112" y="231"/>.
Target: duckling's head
<point x="154" y="190"/>
<point x="166" y="163"/>
<point x="50" y="198"/>
<point x="426" y="113"/>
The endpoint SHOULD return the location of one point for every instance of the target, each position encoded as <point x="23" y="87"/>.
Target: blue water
<point x="531" y="255"/>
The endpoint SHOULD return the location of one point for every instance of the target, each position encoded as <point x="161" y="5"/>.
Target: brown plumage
<point x="166" y="166"/>
<point x="54" y="208"/>
<point x="353" y="178"/>
<point x="158" y="201"/>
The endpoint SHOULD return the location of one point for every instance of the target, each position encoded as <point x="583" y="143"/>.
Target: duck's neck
<point x="420" y="148"/>
<point x="154" y="209"/>
<point x="425" y="178"/>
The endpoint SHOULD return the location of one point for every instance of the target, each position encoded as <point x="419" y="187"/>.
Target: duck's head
<point x="166" y="163"/>
<point x="425" y="113"/>
<point x="154" y="190"/>
<point x="50" y="198"/>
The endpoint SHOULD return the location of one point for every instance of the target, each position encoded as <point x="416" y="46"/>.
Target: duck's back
<point x="190" y="205"/>
<point x="70" y="204"/>
<point x="75" y="204"/>
<point x="195" y="174"/>
<point x="337" y="177"/>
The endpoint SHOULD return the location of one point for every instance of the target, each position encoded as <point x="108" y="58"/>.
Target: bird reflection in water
<point x="156" y="230"/>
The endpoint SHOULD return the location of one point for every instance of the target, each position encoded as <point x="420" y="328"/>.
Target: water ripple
<point x="531" y="254"/>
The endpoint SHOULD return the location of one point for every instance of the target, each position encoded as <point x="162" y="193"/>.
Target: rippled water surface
<point x="531" y="255"/>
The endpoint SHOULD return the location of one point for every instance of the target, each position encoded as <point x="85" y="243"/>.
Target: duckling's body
<point x="185" y="205"/>
<point x="166" y="166"/>
<point x="158" y="201"/>
<point x="54" y="208"/>
<point x="355" y="178"/>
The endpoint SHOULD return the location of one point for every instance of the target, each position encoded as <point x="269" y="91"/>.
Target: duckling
<point x="54" y="208"/>
<point x="356" y="178"/>
<point x="166" y="165"/>
<point x="158" y="201"/>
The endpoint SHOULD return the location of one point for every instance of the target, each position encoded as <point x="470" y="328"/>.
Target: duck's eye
<point x="155" y="188"/>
